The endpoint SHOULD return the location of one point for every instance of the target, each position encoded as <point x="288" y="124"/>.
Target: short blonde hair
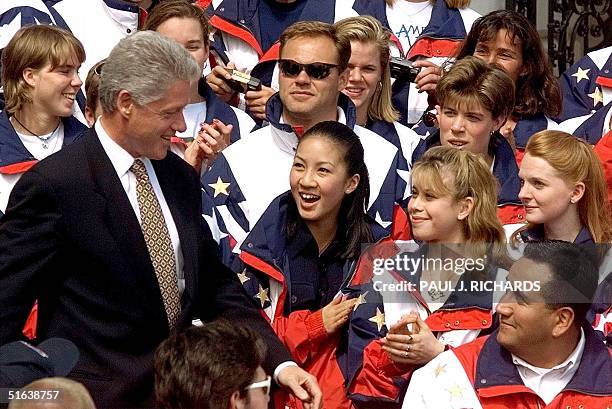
<point x="470" y="177"/>
<point x="367" y="29"/>
<point x="34" y="47"/>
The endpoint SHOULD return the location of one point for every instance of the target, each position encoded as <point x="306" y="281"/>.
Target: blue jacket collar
<point x="13" y="151"/>
<point x="505" y="168"/>
<point x="376" y="9"/>
<point x="506" y="171"/>
<point x="537" y="234"/>
<point x="445" y="23"/>
<point x="274" y="110"/>
<point x="527" y="126"/>
<point x="591" y="129"/>
<point x="265" y="240"/>
<point x="495" y="367"/>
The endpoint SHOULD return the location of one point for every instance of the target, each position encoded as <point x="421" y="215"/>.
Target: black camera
<point x="403" y="70"/>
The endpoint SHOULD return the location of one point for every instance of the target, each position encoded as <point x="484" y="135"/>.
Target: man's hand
<point x="302" y="385"/>
<point x="428" y="77"/>
<point x="217" y="81"/>
<point x="256" y="101"/>
<point x="336" y="313"/>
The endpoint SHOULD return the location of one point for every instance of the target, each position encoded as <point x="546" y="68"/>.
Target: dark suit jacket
<point x="71" y="240"/>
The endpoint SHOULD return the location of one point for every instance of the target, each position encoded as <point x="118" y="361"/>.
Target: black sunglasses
<point x="316" y="70"/>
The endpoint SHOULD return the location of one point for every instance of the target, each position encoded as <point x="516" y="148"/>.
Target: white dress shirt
<point x="122" y="161"/>
<point x="548" y="382"/>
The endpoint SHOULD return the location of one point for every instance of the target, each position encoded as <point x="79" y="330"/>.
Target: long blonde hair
<point x="470" y="177"/>
<point x="575" y="161"/>
<point x="367" y="29"/>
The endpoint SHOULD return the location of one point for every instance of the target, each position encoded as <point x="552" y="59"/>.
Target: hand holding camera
<point x="226" y="80"/>
<point x="424" y="74"/>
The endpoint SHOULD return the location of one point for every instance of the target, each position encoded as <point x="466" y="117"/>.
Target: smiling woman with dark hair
<point x="509" y="40"/>
<point x="298" y="256"/>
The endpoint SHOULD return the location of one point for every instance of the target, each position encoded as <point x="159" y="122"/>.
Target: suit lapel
<point x="119" y="215"/>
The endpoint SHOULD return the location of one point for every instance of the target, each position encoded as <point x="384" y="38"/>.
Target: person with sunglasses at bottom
<point x="217" y="366"/>
<point x="251" y="172"/>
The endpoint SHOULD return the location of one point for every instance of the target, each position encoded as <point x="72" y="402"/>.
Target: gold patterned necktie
<point x="158" y="241"/>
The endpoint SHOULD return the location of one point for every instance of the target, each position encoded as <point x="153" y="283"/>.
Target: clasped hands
<point x="416" y="347"/>
<point x="211" y="139"/>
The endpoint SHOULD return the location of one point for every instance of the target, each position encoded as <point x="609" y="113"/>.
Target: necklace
<point x="43" y="138"/>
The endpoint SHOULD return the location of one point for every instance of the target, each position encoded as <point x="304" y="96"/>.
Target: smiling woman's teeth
<point x="308" y="197"/>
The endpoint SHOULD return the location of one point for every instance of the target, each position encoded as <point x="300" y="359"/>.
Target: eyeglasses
<point x="316" y="70"/>
<point x="265" y="384"/>
<point x="98" y="68"/>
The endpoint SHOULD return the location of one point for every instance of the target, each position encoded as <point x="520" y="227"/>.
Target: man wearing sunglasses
<point x="215" y="366"/>
<point x="244" y="180"/>
<point x="246" y="35"/>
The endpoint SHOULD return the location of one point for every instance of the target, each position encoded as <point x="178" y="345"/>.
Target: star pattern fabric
<point x="361" y="299"/>
<point x="378" y="319"/>
<point x="243" y="276"/>
<point x="220" y="187"/>
<point x="158" y="242"/>
<point x="581" y="74"/>
<point x="597" y="96"/>
<point x="257" y="286"/>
